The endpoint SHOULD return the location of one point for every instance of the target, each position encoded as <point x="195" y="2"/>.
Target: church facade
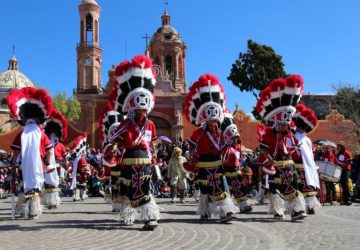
<point x="168" y="52"/>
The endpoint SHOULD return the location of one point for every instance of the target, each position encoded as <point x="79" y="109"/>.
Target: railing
<point x="88" y="44"/>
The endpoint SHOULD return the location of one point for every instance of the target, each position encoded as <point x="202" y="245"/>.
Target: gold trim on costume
<point x="115" y="173"/>
<point x="33" y="197"/>
<point x="140" y="201"/>
<point x="299" y="166"/>
<point x="232" y="174"/>
<point x="119" y="199"/>
<point x="209" y="164"/>
<point x="136" y="161"/>
<point x="310" y="193"/>
<point x="51" y="190"/>
<point x="283" y="163"/>
<point x="288" y="197"/>
<point x="218" y="197"/>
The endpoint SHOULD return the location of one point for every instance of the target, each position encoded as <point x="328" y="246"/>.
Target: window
<point x="89" y="29"/>
<point x="168" y="65"/>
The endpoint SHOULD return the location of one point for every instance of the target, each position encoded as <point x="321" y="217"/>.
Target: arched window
<point x="168" y="65"/>
<point x="89" y="29"/>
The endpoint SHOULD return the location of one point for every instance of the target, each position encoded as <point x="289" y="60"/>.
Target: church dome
<point x="13" y="78"/>
<point x="166" y="33"/>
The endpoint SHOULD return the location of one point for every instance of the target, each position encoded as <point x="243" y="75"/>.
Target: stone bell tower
<point x="89" y="53"/>
<point x="89" y="59"/>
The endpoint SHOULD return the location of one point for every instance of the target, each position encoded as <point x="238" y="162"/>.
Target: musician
<point x="328" y="156"/>
<point x="279" y="146"/>
<point x="204" y="108"/>
<point x="344" y="159"/>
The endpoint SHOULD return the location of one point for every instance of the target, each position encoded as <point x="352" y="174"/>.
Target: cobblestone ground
<point x="90" y="224"/>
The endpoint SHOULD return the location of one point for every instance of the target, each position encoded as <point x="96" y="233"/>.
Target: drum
<point x="328" y="171"/>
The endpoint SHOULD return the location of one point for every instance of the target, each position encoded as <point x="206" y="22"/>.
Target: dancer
<point x="231" y="156"/>
<point x="31" y="107"/>
<point x="276" y="105"/>
<point x="56" y="129"/>
<point x="80" y="168"/>
<point x="305" y="121"/>
<point x="109" y="122"/>
<point x="134" y="87"/>
<point x="204" y="107"/>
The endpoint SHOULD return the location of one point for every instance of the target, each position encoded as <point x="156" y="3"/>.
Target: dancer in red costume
<point x="134" y="137"/>
<point x="204" y="108"/>
<point x="308" y="182"/>
<point x="31" y="107"/>
<point x="80" y="168"/>
<point x="231" y="156"/>
<point x="279" y="147"/>
<point x="56" y="129"/>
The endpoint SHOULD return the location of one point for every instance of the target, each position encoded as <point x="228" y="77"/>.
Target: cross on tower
<point x="146" y="37"/>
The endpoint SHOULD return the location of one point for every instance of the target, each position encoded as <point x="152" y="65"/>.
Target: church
<point x="168" y="53"/>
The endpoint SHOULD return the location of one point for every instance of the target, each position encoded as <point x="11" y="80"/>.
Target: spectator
<point x="177" y="175"/>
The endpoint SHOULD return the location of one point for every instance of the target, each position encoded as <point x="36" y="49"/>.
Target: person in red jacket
<point x="31" y="107"/>
<point x="344" y="159"/>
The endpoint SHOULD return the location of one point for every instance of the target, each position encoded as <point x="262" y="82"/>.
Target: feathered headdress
<point x="134" y="85"/>
<point x="277" y="102"/>
<point x="110" y="119"/>
<point x="56" y="124"/>
<point x="79" y="145"/>
<point x="228" y="126"/>
<point x="205" y="100"/>
<point x="305" y="118"/>
<point x="30" y="103"/>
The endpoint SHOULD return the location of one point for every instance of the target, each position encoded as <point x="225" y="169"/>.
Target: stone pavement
<point x="90" y="224"/>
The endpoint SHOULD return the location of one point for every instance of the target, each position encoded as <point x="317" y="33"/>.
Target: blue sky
<point x="319" y="39"/>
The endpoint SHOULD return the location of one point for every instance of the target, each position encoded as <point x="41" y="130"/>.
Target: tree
<point x="256" y="68"/>
<point x="347" y="100"/>
<point x="68" y="106"/>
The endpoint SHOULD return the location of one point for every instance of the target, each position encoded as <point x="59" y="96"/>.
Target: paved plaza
<point x="90" y="224"/>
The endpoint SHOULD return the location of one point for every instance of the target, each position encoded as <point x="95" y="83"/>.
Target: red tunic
<point x="231" y="157"/>
<point x="342" y="157"/>
<point x="203" y="143"/>
<point x="60" y="151"/>
<point x="279" y="146"/>
<point x="129" y="135"/>
<point x="82" y="170"/>
<point x="45" y="143"/>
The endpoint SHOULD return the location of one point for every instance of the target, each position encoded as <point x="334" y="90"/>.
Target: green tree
<point x="255" y="69"/>
<point x="68" y="106"/>
<point x="347" y="101"/>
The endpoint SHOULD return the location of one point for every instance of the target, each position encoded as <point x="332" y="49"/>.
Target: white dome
<point x="13" y="78"/>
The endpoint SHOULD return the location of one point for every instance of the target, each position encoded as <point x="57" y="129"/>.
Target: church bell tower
<point x="89" y="53"/>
